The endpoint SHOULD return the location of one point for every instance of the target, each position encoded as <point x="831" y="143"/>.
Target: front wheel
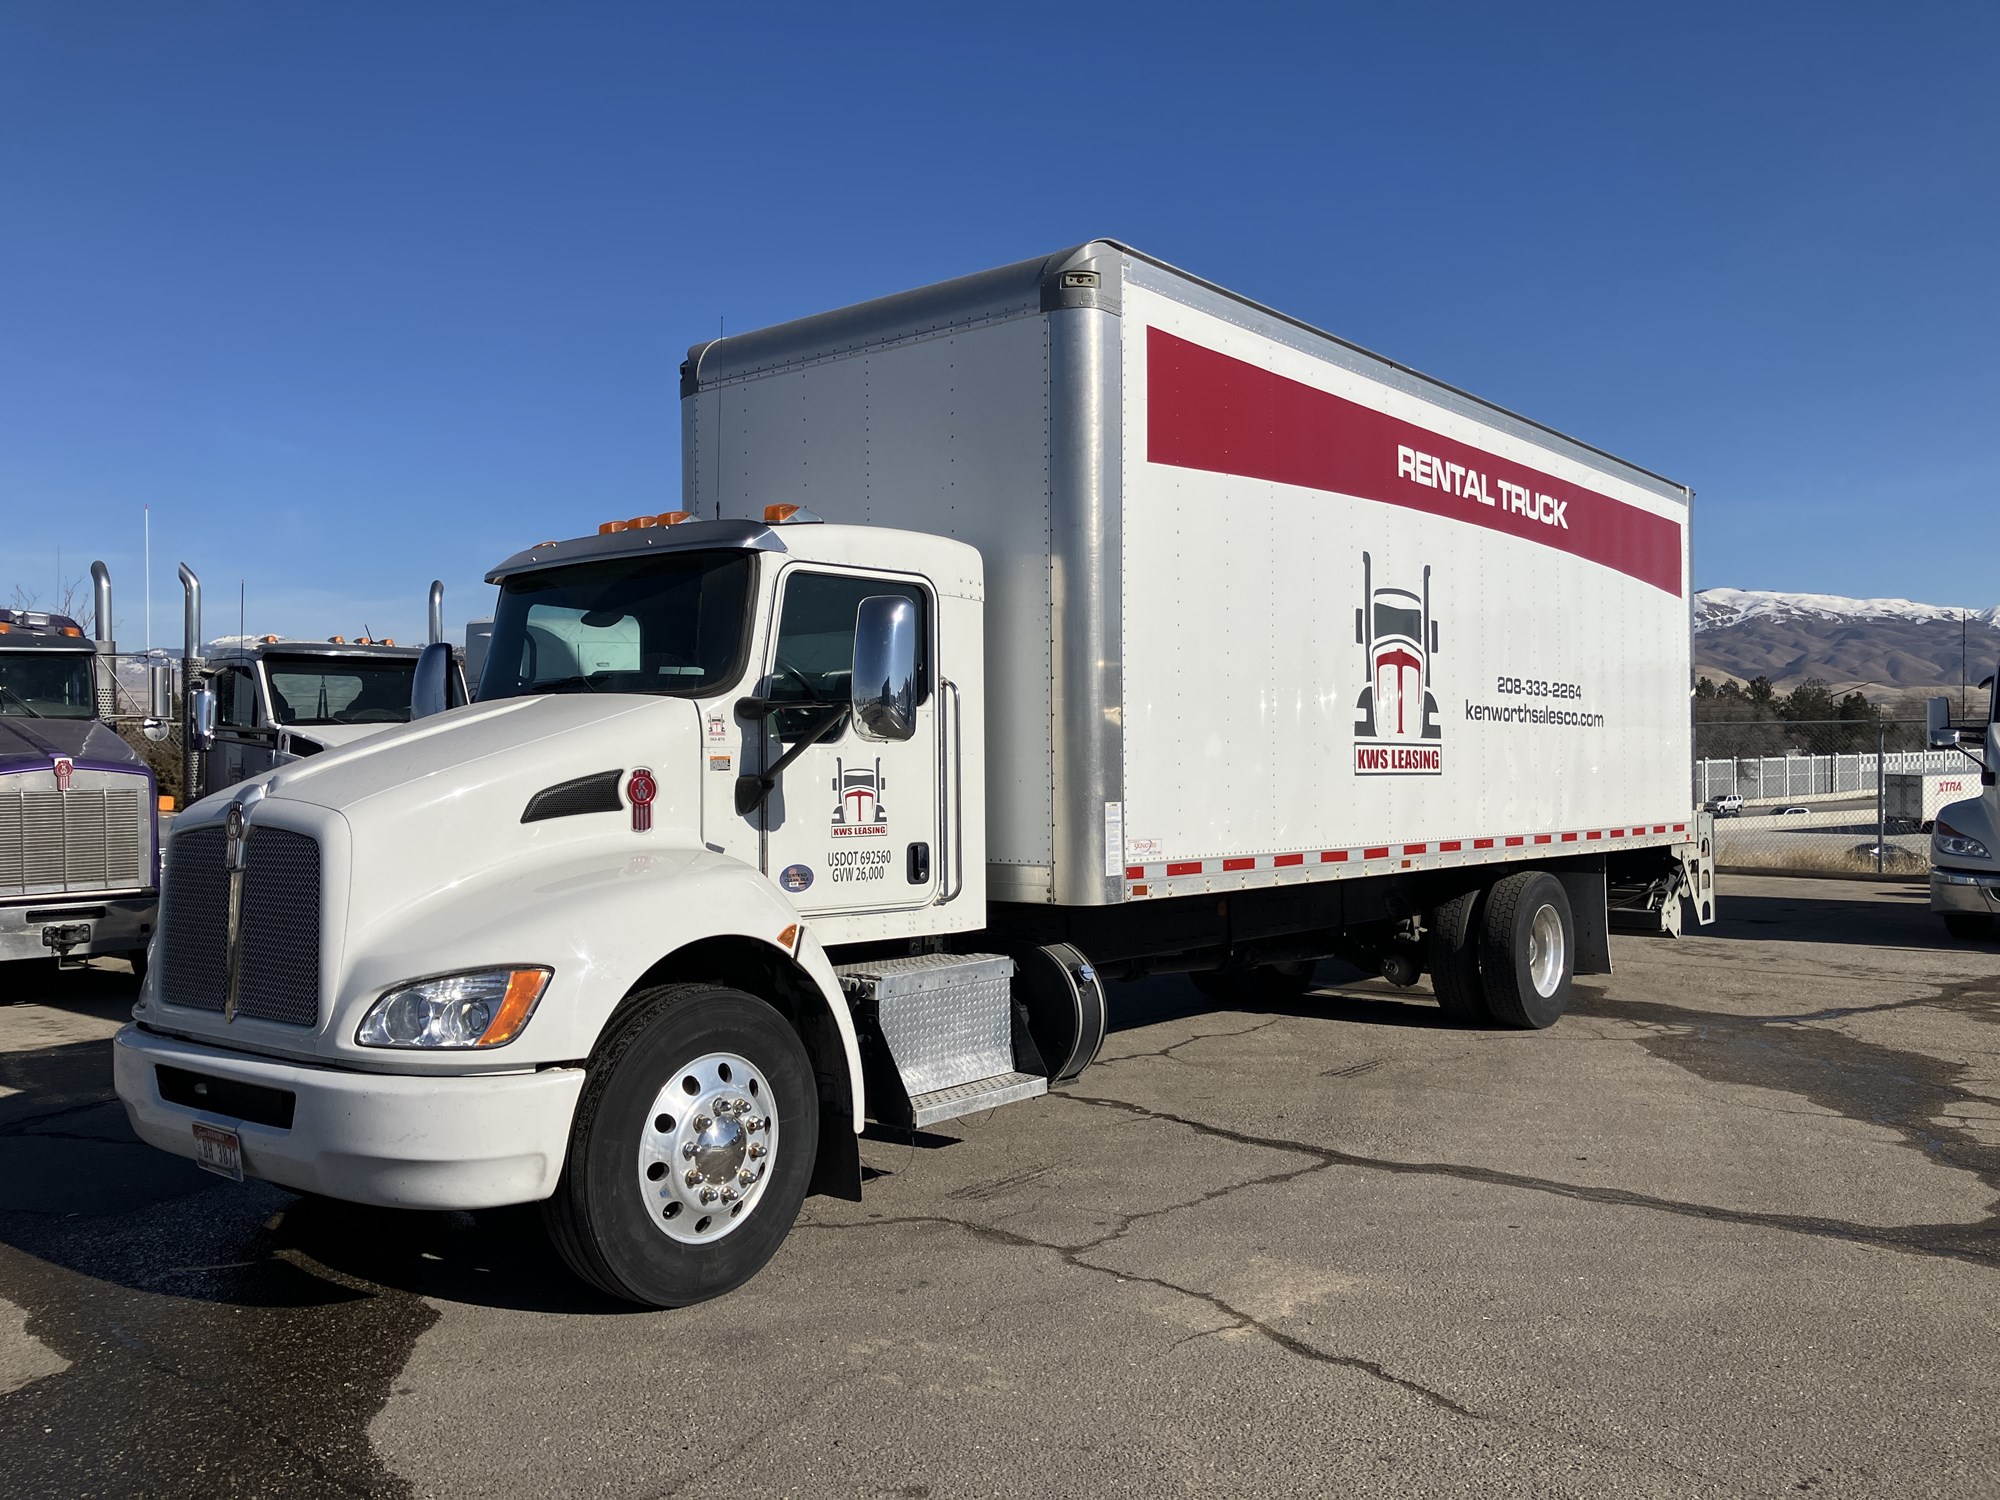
<point x="691" y="1150"/>
<point x="1968" y="926"/>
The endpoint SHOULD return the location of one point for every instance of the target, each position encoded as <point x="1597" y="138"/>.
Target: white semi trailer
<point x="1146" y="631"/>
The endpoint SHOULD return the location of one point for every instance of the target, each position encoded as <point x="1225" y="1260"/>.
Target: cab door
<point x="851" y="825"/>
<point x="245" y="740"/>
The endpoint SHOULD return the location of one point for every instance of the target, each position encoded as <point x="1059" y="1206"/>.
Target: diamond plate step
<point x="970" y="1098"/>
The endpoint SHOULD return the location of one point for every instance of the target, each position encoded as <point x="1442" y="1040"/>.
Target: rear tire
<point x="624" y="1217"/>
<point x="1527" y="950"/>
<point x="1968" y="926"/>
<point x="1453" y="958"/>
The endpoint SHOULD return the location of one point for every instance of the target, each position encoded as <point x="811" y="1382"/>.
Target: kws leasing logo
<point x="1396" y="729"/>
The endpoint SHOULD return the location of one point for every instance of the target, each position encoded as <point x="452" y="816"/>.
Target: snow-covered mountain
<point x="1885" y="647"/>
<point x="1719" y="607"/>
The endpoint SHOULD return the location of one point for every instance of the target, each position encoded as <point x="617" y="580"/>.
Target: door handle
<point x="920" y="864"/>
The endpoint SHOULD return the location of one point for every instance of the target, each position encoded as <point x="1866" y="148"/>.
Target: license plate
<point x="218" y="1150"/>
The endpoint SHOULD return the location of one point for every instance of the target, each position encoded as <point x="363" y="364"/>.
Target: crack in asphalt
<point x="1170" y="1052"/>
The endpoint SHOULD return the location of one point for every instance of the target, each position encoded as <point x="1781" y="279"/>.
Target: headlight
<point x="1948" y="841"/>
<point x="486" y="1008"/>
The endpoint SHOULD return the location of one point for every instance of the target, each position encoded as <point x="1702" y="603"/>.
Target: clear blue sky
<point x="357" y="295"/>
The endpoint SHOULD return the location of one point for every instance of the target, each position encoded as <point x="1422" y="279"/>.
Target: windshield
<point x="1407" y="623"/>
<point x="671" y="623"/>
<point x="311" y="690"/>
<point x="47" y="684"/>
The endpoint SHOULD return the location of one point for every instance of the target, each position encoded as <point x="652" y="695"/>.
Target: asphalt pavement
<point x="1728" y="1229"/>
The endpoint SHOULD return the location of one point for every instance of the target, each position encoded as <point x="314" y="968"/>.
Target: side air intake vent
<point x="595" y="793"/>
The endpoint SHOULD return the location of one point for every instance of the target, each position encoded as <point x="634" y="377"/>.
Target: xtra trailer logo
<point x="858" y="812"/>
<point x="1396" y="730"/>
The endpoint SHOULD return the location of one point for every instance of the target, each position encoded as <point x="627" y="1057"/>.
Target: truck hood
<point x="336" y="736"/>
<point x="441" y="803"/>
<point x="37" y="741"/>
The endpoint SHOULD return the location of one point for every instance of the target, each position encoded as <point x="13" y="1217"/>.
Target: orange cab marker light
<point x="539" y="545"/>
<point x="789" y="938"/>
<point x="674" y="517"/>
<point x="166" y="804"/>
<point x="777" y="515"/>
<point x="336" y="640"/>
<point x="5" y="627"/>
<point x="608" y="527"/>
<point x="72" y="630"/>
<point x="268" y="639"/>
<point x="524" y="988"/>
<point x="640" y="523"/>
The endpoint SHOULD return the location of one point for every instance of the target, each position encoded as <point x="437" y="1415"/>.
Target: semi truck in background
<point x="988" y="665"/>
<point x="1965" y="838"/>
<point x="266" y="702"/>
<point x="79" y="810"/>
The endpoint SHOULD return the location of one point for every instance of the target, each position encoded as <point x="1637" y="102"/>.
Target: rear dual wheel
<point x="1505" y="954"/>
<point x="691" y="1149"/>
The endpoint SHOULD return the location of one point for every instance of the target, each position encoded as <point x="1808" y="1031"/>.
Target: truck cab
<point x="279" y="700"/>
<point x="79" y="830"/>
<point x="702" y="754"/>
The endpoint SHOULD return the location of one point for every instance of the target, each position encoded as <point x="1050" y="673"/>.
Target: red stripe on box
<point x="1185" y="867"/>
<point x="1210" y="411"/>
<point x="1545" y="838"/>
<point x="1569" y="838"/>
<point x="1482" y="843"/>
<point x="1135" y="872"/>
<point x="1415" y="848"/>
<point x="1450" y="846"/>
<point x="1238" y="864"/>
<point x="1334" y="857"/>
<point x="1289" y="859"/>
<point x="1515" y="843"/>
<point x="1594" y="834"/>
<point x="1382" y="853"/>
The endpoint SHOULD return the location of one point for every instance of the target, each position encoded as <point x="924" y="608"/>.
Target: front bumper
<point x="391" y="1140"/>
<point x="117" y="924"/>
<point x="1967" y="891"/>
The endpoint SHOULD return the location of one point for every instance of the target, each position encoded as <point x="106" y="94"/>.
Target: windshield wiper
<point x="562" y="684"/>
<point x="26" y="707"/>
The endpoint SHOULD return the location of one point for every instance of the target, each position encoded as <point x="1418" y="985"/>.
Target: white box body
<point x="1189" y="507"/>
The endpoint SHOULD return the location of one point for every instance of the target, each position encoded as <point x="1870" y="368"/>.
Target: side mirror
<point x="201" y="718"/>
<point x="1939" y="734"/>
<point x="159" y="691"/>
<point x="430" y="688"/>
<point x="884" y="684"/>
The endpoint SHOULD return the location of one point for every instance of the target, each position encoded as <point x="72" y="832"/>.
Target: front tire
<point x="691" y="1149"/>
<point x="1527" y="950"/>
<point x="1968" y="926"/>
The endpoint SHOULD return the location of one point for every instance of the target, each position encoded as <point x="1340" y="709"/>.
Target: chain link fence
<point x="1838" y="797"/>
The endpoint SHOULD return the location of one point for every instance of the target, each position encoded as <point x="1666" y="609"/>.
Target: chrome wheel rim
<point x="707" y="1147"/>
<point x="1545" y="951"/>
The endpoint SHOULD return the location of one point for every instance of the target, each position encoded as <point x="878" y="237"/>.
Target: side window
<point x="815" y="650"/>
<point x="235" y="699"/>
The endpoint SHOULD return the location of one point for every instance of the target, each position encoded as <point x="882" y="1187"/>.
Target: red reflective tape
<point x="1185" y="867"/>
<point x="1482" y="843"/>
<point x="1208" y="410"/>
<point x="1515" y="843"/>
<point x="1618" y="833"/>
<point x="1659" y="828"/>
<point x="1382" y="853"/>
<point x="1135" y="872"/>
<point x="1334" y="857"/>
<point x="1680" y="828"/>
<point x="1415" y="848"/>
<point x="1450" y="846"/>
<point x="1289" y="859"/>
<point x="1595" y="833"/>
<point x="1569" y="838"/>
<point x="1239" y="864"/>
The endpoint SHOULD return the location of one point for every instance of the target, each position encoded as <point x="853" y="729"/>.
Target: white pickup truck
<point x="764" y="826"/>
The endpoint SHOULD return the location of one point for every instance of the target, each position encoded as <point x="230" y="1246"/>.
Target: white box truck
<point x="1146" y="631"/>
<point x="1911" y="800"/>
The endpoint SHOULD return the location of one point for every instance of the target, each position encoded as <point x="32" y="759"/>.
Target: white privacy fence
<point x="1778" y="777"/>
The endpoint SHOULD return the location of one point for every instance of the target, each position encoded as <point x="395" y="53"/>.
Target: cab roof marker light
<point x="789" y="515"/>
<point x="640" y="523"/>
<point x="674" y="517"/>
<point x="607" y="528"/>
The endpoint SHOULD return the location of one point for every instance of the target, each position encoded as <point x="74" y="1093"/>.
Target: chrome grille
<point x="278" y="966"/>
<point x="85" y="839"/>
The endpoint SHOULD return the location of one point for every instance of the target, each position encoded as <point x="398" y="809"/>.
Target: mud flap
<point x="1589" y="911"/>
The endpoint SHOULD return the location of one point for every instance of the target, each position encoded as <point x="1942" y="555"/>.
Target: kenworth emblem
<point x="64" y="769"/>
<point x="641" y="789"/>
